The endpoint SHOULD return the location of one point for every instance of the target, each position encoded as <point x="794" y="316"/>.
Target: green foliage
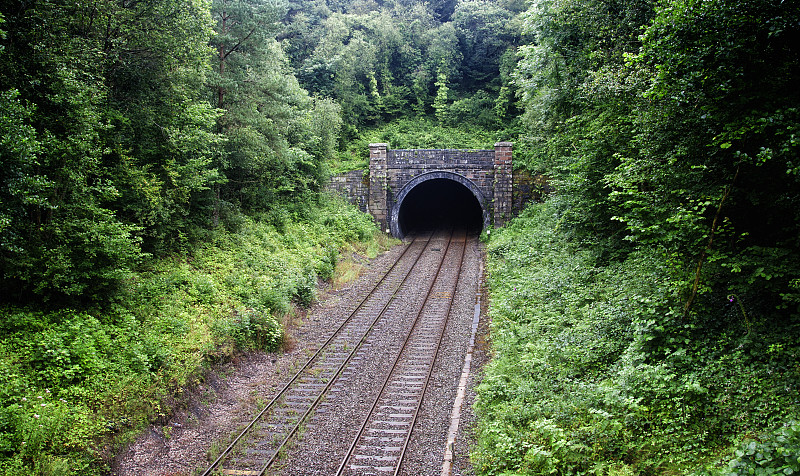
<point x="485" y="30"/>
<point x="442" y="97"/>
<point x="61" y="369"/>
<point x="779" y="454"/>
<point x="477" y="109"/>
<point x="580" y="103"/>
<point x="276" y="137"/>
<point x="717" y="177"/>
<point x="381" y="60"/>
<point x="76" y="382"/>
<point x="671" y="232"/>
<point x="57" y="237"/>
<point x="595" y="372"/>
<point x="138" y="134"/>
<point x="114" y="143"/>
<point x="415" y="133"/>
<point x="159" y="142"/>
<point x="249" y="328"/>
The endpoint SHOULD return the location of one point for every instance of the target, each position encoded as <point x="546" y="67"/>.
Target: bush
<point x="778" y="454"/>
<point x="249" y="328"/>
<point x="477" y="110"/>
<point x="595" y="371"/>
<point x="76" y="382"/>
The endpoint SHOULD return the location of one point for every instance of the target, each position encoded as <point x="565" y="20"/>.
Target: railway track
<point x="382" y="441"/>
<point x="377" y="446"/>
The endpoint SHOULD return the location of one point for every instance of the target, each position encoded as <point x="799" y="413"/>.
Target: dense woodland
<point x="162" y="167"/>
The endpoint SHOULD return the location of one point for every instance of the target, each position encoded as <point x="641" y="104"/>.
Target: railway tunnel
<point x="407" y="190"/>
<point x="439" y="201"/>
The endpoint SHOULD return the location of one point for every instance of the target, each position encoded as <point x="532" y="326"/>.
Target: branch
<point x="237" y="45"/>
<point x="703" y="255"/>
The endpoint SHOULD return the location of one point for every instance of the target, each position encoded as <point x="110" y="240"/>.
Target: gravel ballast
<point x="230" y="397"/>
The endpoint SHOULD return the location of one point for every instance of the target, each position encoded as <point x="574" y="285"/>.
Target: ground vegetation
<point x="161" y="209"/>
<point x="162" y="167"/>
<point x="645" y="316"/>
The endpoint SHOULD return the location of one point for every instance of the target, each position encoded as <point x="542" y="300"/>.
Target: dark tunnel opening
<point x="439" y="203"/>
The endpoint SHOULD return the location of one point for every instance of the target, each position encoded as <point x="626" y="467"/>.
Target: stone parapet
<point x="439" y="158"/>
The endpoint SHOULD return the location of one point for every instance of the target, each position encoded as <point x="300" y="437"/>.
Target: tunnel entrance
<point x="439" y="203"/>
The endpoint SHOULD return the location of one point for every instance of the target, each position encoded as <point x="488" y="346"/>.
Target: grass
<point x="346" y="272"/>
<point x="351" y="265"/>
<point x="76" y="384"/>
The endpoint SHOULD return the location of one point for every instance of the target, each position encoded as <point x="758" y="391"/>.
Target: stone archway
<point x="395" y="224"/>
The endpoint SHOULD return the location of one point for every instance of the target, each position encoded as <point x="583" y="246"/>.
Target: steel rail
<point x="339" y="370"/>
<point x="433" y="361"/>
<point x="342" y="466"/>
<point x="319" y="351"/>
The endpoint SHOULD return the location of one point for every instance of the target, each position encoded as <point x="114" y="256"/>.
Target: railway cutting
<point x="376" y="396"/>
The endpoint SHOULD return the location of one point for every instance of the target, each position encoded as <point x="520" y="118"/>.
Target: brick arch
<point x="394" y="215"/>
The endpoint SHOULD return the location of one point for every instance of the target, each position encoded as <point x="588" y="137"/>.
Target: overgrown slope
<point x="595" y="370"/>
<point x="646" y="318"/>
<point x="77" y="382"/>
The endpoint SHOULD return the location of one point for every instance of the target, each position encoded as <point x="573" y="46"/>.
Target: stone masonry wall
<point x="404" y="164"/>
<point x="378" y="185"/>
<point x="488" y="171"/>
<point x="503" y="183"/>
<point x="528" y="188"/>
<point x="353" y="186"/>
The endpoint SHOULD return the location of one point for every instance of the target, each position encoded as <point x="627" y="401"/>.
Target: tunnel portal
<point x="477" y="189"/>
<point x="438" y="203"/>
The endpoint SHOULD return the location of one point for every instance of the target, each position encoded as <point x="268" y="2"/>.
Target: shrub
<point x="779" y="453"/>
<point x="596" y="372"/>
<point x="249" y="328"/>
<point x="76" y="382"/>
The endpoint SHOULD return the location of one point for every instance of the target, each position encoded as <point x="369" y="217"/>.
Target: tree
<point x="161" y="140"/>
<point x="110" y="94"/>
<point x="276" y="140"/>
<point x="581" y="101"/>
<point x="60" y="240"/>
<point x="485" y="31"/>
<point x="440" y="103"/>
<point x="718" y="144"/>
